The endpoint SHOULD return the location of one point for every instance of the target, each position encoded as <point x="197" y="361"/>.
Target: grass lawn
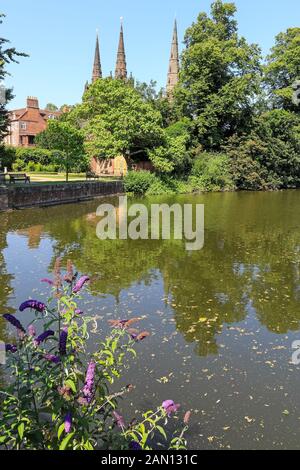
<point x="37" y="177"/>
<point x="44" y="178"/>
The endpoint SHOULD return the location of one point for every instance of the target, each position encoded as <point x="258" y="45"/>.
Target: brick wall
<point x="53" y="194"/>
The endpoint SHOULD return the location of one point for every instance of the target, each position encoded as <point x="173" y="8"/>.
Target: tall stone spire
<point x="97" y="71"/>
<point x="173" y="73"/>
<point x="121" y="67"/>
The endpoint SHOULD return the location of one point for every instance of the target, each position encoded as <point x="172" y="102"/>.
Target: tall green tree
<point x="8" y="54"/>
<point x="220" y="76"/>
<point x="283" y="69"/>
<point x="115" y="120"/>
<point x="51" y="107"/>
<point x="66" y="138"/>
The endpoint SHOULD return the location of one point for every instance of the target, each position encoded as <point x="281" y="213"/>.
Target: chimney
<point x="32" y="102"/>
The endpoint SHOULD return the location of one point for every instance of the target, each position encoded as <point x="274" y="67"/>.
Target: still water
<point x="222" y="319"/>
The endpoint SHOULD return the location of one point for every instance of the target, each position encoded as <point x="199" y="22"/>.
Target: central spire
<point x="173" y="74"/>
<point x="121" y="67"/>
<point x="97" y="71"/>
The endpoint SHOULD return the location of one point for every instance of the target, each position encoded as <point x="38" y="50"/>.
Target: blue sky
<point x="59" y="35"/>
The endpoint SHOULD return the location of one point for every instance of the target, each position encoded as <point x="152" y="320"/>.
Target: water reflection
<point x="251" y="257"/>
<point x="219" y="310"/>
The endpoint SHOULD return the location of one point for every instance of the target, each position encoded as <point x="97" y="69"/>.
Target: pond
<point x="222" y="320"/>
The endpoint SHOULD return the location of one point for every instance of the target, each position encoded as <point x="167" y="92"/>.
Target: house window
<point x="23" y="126"/>
<point x="31" y="139"/>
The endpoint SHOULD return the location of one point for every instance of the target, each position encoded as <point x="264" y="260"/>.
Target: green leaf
<point x="71" y="384"/>
<point x="162" y="431"/>
<point x="21" y="429"/>
<point x="66" y="441"/>
<point x="60" y="430"/>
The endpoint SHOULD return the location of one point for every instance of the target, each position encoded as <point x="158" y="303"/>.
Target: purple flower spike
<point x="13" y="321"/>
<point x="80" y="283"/>
<point x="89" y="382"/>
<point x="170" y="407"/>
<point x="32" y="331"/>
<point x="40" y="339"/>
<point x="135" y="446"/>
<point x="78" y="311"/>
<point x="51" y="358"/>
<point x="48" y="281"/>
<point x="11" y="348"/>
<point x="119" y="420"/>
<point x="68" y="423"/>
<point x="34" y="304"/>
<point x="63" y="341"/>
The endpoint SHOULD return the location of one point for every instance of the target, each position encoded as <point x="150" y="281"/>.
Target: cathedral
<point x="121" y="65"/>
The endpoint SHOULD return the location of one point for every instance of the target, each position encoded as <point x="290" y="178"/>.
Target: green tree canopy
<point x="115" y="119"/>
<point x="268" y="156"/>
<point x="51" y="107"/>
<point x="283" y="69"/>
<point x="66" y="138"/>
<point x="220" y="76"/>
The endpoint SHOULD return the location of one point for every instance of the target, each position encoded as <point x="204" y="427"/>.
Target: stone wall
<point x="30" y="195"/>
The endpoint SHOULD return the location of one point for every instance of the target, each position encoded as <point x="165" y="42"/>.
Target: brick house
<point x="27" y="122"/>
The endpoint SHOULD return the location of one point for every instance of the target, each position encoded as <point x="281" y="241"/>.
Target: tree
<point x="51" y="107"/>
<point x="115" y="119"/>
<point x="220" y="77"/>
<point x="7" y="55"/>
<point x="283" y="69"/>
<point x="158" y="100"/>
<point x="269" y="156"/>
<point x="64" y="137"/>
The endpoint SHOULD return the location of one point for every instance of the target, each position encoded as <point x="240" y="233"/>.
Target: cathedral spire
<point x="173" y="74"/>
<point x="121" y="67"/>
<point x="97" y="71"/>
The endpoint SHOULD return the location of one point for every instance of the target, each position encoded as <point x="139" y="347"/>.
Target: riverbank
<point x="41" y="195"/>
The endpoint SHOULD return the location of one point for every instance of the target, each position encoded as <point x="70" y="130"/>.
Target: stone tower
<point x="121" y="67"/>
<point x="97" y="70"/>
<point x="173" y="74"/>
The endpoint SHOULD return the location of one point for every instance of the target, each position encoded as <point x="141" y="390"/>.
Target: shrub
<point x="211" y="172"/>
<point x="58" y="396"/>
<point x="138" y="182"/>
<point x="169" y="185"/>
<point x="7" y="157"/>
<point x="19" y="165"/>
<point x="35" y="155"/>
<point x="159" y="187"/>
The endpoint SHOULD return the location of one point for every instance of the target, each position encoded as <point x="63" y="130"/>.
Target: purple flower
<point x="135" y="446"/>
<point x="52" y="358"/>
<point x="34" y="304"/>
<point x="80" y="283"/>
<point x="11" y="348"/>
<point x="78" y="311"/>
<point x="89" y="382"/>
<point x="170" y="407"/>
<point x="68" y="423"/>
<point x="48" y="281"/>
<point x="11" y="319"/>
<point x="43" y="337"/>
<point x="63" y="341"/>
<point x="119" y="420"/>
<point x="134" y="336"/>
<point x="32" y="331"/>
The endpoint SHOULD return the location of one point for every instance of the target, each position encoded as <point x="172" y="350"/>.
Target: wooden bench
<point x="2" y="178"/>
<point x="19" y="177"/>
<point x="91" y="176"/>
